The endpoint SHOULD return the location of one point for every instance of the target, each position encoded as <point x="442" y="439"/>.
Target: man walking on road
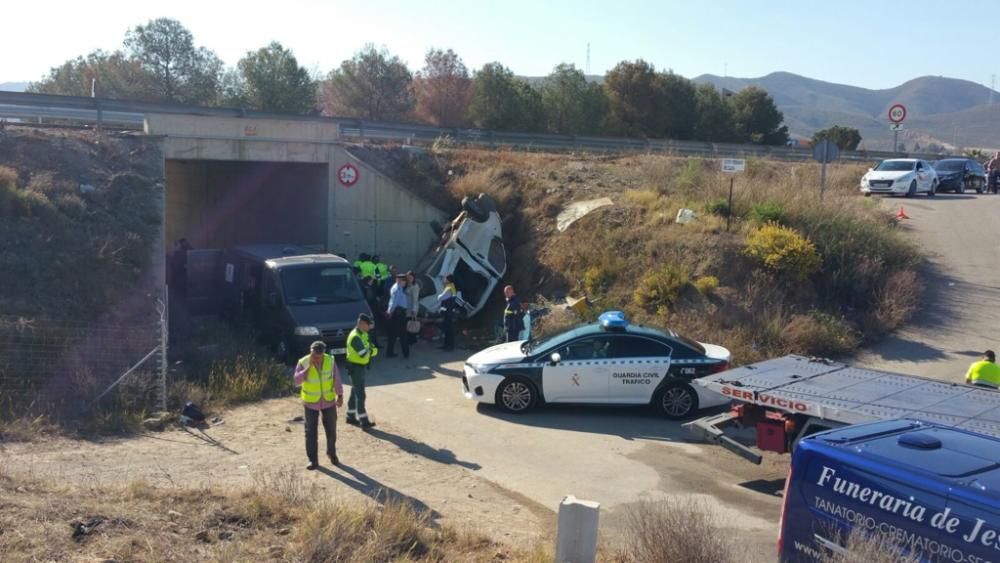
<point x="359" y="353"/>
<point x="992" y="171"/>
<point x="513" y="317"/>
<point x="322" y="392"/>
<point x="985" y="372"/>
<point x="399" y="305"/>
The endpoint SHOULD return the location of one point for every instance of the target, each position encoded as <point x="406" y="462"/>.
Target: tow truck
<point x="786" y="399"/>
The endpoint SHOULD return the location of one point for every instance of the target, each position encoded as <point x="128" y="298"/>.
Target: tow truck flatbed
<point x="799" y="389"/>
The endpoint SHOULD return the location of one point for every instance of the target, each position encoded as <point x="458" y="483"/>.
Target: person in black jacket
<point x="513" y="316"/>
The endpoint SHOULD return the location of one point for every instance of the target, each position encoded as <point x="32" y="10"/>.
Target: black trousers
<point x="329" y="417"/>
<point x="397" y="331"/>
<point x="448" y="328"/>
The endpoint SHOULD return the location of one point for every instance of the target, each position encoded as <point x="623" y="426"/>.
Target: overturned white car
<point x="471" y="249"/>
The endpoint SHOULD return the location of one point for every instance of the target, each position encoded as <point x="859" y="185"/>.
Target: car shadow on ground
<point x="373" y="489"/>
<point x="440" y="455"/>
<point x="769" y="487"/>
<point x="627" y="422"/>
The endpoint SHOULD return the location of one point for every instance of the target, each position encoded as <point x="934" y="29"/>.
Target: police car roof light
<point x="613" y="320"/>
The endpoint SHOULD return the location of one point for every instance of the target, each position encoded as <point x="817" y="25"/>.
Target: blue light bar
<point x="613" y="320"/>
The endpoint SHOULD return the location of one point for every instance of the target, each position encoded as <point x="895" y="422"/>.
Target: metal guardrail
<point x="122" y="112"/>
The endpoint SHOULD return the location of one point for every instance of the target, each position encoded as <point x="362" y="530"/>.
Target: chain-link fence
<point x="66" y="368"/>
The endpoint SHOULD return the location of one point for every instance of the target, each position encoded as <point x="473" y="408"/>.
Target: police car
<point x="607" y="362"/>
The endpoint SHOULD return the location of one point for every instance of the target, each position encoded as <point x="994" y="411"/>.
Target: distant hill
<point x="944" y="110"/>
<point x="13" y="86"/>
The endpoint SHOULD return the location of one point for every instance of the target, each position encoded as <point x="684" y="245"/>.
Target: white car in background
<point x="471" y="249"/>
<point x="900" y="176"/>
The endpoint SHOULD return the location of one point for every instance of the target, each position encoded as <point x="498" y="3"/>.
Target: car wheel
<point x="960" y="188"/>
<point x="516" y="395"/>
<point x="478" y="209"/>
<point x="913" y="189"/>
<point x="979" y="186"/>
<point x="676" y="401"/>
<point x="933" y="191"/>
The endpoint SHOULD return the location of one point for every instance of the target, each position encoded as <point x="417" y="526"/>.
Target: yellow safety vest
<point x="984" y="372"/>
<point x="383" y="270"/>
<point x="318" y="384"/>
<point x="368" y="269"/>
<point x="352" y="355"/>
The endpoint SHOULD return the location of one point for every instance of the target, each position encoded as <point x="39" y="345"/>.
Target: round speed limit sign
<point x="348" y="175"/>
<point x="897" y="113"/>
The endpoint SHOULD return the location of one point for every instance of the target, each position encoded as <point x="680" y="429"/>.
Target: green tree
<point x="635" y="97"/>
<point x="572" y="105"/>
<point x="679" y="109"/>
<point x="846" y="138"/>
<point x="117" y="76"/>
<point x="714" y="116"/>
<point x="270" y="79"/>
<point x="503" y="102"/>
<point x="181" y="71"/>
<point x="443" y="89"/>
<point x="757" y="119"/>
<point x="372" y="85"/>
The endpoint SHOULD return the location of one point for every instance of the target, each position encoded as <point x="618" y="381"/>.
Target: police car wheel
<point x="676" y="401"/>
<point x="516" y="396"/>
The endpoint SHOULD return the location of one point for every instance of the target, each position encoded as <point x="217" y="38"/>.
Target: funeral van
<point x="919" y="490"/>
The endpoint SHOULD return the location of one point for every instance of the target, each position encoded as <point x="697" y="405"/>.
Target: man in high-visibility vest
<point x="985" y="372"/>
<point x="360" y="352"/>
<point x="322" y="392"/>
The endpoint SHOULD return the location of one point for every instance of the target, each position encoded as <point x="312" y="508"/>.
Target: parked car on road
<point x="610" y="362"/>
<point x="471" y="249"/>
<point x="959" y="174"/>
<point x="900" y="176"/>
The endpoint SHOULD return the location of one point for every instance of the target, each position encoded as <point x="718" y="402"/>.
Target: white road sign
<point x="733" y="165"/>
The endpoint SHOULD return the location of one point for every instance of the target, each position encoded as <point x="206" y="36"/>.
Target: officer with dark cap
<point x="360" y="352"/>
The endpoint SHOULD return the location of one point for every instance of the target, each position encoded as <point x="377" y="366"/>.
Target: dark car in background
<point x="960" y="174"/>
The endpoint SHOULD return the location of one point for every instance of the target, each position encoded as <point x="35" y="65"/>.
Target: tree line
<point x="160" y="62"/>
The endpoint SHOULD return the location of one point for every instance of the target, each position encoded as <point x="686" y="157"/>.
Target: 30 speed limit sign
<point x="897" y="113"/>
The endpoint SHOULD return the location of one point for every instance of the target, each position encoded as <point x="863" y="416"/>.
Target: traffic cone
<point x="902" y="214"/>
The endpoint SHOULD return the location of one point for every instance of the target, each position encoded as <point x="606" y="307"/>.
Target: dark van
<point x="926" y="490"/>
<point x="291" y="296"/>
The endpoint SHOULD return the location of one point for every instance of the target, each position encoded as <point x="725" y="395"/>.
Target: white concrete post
<point x="576" y="538"/>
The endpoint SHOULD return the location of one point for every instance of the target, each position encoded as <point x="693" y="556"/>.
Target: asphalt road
<point x="616" y="456"/>
<point x="961" y="302"/>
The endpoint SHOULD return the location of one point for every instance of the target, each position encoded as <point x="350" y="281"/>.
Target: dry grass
<point x="682" y="530"/>
<point x="275" y="520"/>
<point x="864" y="548"/>
<point x="866" y="276"/>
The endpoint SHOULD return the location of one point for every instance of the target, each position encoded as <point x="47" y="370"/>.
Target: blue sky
<point x="875" y="44"/>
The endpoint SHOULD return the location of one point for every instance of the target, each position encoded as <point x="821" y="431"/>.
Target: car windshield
<point x="320" y="285"/>
<point x="895" y="166"/>
<point x="950" y="165"/>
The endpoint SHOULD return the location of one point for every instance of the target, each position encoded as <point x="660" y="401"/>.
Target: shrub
<point x="690" y="177"/>
<point x="658" y="290"/>
<point x="706" y="285"/>
<point x="719" y="206"/>
<point x="767" y="212"/>
<point x="676" y="531"/>
<point x="896" y="299"/>
<point x="596" y="280"/>
<point x="248" y="377"/>
<point x="819" y="334"/>
<point x="783" y="250"/>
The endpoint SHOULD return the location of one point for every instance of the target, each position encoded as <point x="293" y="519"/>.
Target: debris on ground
<point x="685" y="216"/>
<point x="578" y="209"/>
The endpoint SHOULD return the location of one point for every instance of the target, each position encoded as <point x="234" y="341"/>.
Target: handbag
<point x="413" y="326"/>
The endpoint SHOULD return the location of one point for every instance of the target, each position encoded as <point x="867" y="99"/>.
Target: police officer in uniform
<point x="322" y="392"/>
<point x="360" y="351"/>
